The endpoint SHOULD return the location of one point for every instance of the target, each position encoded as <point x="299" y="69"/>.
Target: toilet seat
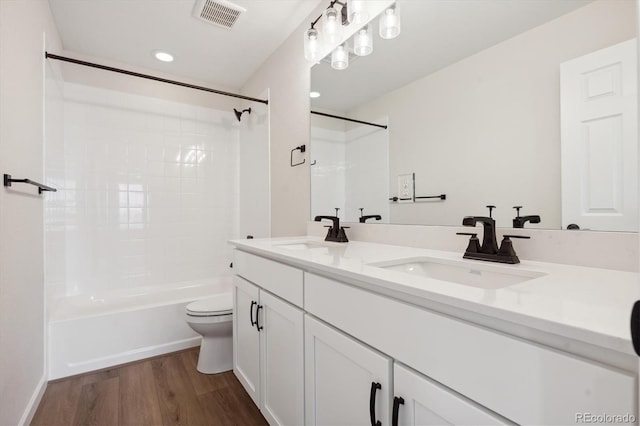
<point x="218" y="305"/>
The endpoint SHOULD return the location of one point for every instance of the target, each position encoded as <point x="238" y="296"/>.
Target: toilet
<point x="212" y="318"/>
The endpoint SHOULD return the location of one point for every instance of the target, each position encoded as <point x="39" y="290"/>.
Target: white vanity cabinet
<point x="346" y="383"/>
<point x="525" y="382"/>
<point x="420" y="401"/>
<point x="268" y="346"/>
<point x="332" y="353"/>
<point x="246" y="339"/>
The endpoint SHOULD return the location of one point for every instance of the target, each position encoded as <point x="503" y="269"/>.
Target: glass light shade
<point x="331" y="25"/>
<point x="312" y="43"/>
<point x="340" y="57"/>
<point x="358" y="13"/>
<point x="390" y="22"/>
<point x="363" y="41"/>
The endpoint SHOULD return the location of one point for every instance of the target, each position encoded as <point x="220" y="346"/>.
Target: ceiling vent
<point x="222" y="13"/>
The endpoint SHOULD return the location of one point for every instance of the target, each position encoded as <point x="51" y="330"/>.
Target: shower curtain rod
<point x="150" y="77"/>
<point x="382" y="126"/>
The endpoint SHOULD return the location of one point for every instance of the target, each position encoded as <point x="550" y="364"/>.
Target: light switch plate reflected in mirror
<point x="406" y="188"/>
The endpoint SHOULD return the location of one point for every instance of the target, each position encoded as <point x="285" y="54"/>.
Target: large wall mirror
<point x="528" y="103"/>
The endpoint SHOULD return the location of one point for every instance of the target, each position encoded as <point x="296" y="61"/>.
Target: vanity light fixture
<point x="162" y="56"/>
<point x="332" y="22"/>
<point x="357" y="12"/>
<point x="390" y="22"/>
<point x="340" y="57"/>
<point x="363" y="41"/>
<point x="312" y="44"/>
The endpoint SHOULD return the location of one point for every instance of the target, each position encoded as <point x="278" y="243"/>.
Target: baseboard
<point x="34" y="402"/>
<point x="71" y="369"/>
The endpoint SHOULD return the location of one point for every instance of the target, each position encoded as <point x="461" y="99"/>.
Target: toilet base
<point x="216" y="352"/>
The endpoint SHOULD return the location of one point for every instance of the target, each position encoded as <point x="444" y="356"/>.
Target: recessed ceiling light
<point x="314" y="94"/>
<point x="162" y="56"/>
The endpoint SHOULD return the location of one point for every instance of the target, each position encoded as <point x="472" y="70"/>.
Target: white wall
<point x="286" y="75"/>
<point x="254" y="181"/>
<point x="23" y="25"/>
<point x="148" y="193"/>
<point x="486" y="130"/>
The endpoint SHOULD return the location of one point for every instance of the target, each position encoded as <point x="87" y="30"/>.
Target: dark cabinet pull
<point x="258" y="326"/>
<point x="397" y="401"/>
<point x="635" y="327"/>
<point x="372" y="403"/>
<point x="251" y="313"/>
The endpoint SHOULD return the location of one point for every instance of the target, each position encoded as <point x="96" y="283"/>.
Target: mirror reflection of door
<point x="599" y="139"/>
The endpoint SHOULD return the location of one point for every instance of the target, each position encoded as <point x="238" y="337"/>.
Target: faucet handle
<point x="342" y="236"/>
<point x="506" y="247"/>
<point x="491" y="210"/>
<point x="517" y="210"/>
<point x="474" y="242"/>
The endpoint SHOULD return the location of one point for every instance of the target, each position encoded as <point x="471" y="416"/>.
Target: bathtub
<point x="91" y="332"/>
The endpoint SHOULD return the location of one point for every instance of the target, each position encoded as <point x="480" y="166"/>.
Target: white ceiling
<point x="129" y="30"/>
<point x="435" y="33"/>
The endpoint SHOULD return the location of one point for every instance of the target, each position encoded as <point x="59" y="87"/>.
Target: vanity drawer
<point x="282" y="280"/>
<point x="524" y="382"/>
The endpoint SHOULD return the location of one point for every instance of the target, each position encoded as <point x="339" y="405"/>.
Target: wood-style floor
<point x="166" y="390"/>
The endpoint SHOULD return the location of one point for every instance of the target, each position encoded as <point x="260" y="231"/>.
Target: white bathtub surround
<point x="148" y="196"/>
<point x="328" y="173"/>
<point x="148" y="193"/>
<point x="350" y="170"/>
<point x="90" y="332"/>
<point x="608" y="250"/>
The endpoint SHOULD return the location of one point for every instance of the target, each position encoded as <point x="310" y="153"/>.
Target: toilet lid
<point x="219" y="304"/>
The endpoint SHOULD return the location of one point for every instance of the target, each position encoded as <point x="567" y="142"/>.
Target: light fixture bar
<point x="320" y="41"/>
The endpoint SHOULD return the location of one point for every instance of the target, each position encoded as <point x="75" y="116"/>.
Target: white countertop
<point x="585" y="304"/>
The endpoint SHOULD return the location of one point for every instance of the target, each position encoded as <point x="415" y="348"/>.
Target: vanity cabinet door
<point x="246" y="339"/>
<point x="342" y="378"/>
<point x="420" y="401"/>
<point x="282" y="358"/>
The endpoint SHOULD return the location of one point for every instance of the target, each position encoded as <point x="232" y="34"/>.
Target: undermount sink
<point x="301" y="245"/>
<point x="460" y="272"/>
